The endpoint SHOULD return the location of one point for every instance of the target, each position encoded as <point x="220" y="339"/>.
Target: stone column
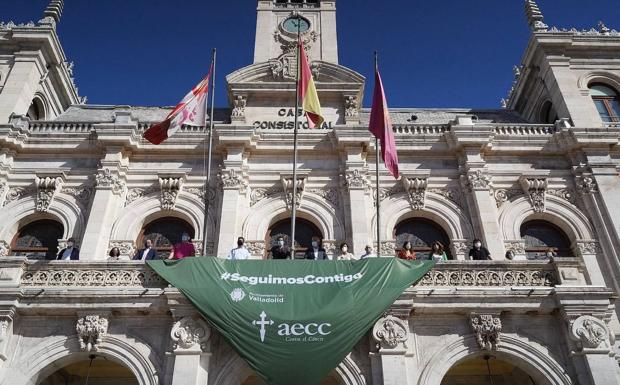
<point x="7" y="316"/>
<point x="391" y="335"/>
<point x="106" y="203"/>
<point x="192" y="351"/>
<point x="359" y="222"/>
<point x="484" y="214"/>
<point x="232" y="184"/>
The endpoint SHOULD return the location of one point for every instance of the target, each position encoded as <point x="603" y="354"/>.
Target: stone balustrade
<point x="524" y="130"/>
<point x="21" y="272"/>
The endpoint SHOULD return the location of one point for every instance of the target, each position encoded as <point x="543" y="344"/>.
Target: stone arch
<point x="537" y="363"/>
<point x="437" y="208"/>
<point x="313" y="208"/>
<point x="235" y="371"/>
<point x="140" y="212"/>
<point x="39" y="101"/>
<point x="63" y="209"/>
<point x="46" y="358"/>
<point x="604" y="77"/>
<point x="559" y="212"/>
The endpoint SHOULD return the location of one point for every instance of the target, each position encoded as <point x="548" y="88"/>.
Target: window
<point x="547" y="113"/>
<point x="36" y="110"/>
<point x="540" y="236"/>
<point x="164" y="233"/>
<point x="304" y="231"/>
<point x="38" y="240"/>
<point x="421" y="233"/>
<point x="607" y="102"/>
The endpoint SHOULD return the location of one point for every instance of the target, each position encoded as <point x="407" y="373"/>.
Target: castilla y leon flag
<point x="190" y="111"/>
<point x="307" y="91"/>
<point x="381" y="126"/>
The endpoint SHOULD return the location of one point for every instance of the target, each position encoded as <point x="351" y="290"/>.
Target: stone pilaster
<point x="232" y="184"/>
<point x="391" y="335"/>
<point x="109" y="197"/>
<point x="191" y="346"/>
<point x="478" y="183"/>
<point x="356" y="184"/>
<point x="7" y="318"/>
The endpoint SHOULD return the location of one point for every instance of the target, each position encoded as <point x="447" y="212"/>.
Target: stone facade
<point x="471" y="173"/>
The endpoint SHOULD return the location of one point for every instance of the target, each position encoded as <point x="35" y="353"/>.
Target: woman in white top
<point x="344" y="253"/>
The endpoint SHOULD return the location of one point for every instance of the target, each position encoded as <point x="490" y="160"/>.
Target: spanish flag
<point x="307" y="91"/>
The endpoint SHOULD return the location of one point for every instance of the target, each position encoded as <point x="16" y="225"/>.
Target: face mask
<point x="477" y="244"/>
<point x="408" y="247"/>
<point x="185" y="239"/>
<point x="239" y="243"/>
<point x="315" y="244"/>
<point x="345" y="249"/>
<point x="280" y="243"/>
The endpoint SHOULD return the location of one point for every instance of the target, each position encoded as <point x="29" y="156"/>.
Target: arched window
<point x="164" y="233"/>
<point x="100" y="370"/>
<point x="487" y="371"/>
<point x="36" y="111"/>
<point x="541" y="236"/>
<point x="421" y="233"/>
<point x="38" y="239"/>
<point x="606" y="101"/>
<point x="547" y="113"/>
<point x="304" y="231"/>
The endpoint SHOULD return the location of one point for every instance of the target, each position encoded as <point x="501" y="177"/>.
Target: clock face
<point x="294" y="24"/>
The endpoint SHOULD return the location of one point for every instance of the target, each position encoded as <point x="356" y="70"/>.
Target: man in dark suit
<point x="69" y="253"/>
<point x="316" y="252"/>
<point x="146" y="254"/>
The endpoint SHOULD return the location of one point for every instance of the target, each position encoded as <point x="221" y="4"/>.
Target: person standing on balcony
<point x="183" y="249"/>
<point x="316" y="252"/>
<point x="239" y="252"/>
<point x="114" y="254"/>
<point x="69" y="253"/>
<point x="438" y="252"/>
<point x="407" y="252"/>
<point x="479" y="252"/>
<point x="280" y="251"/>
<point x="368" y="253"/>
<point x="344" y="253"/>
<point x="146" y="254"/>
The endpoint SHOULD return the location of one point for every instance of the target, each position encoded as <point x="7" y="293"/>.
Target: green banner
<point x="292" y="321"/>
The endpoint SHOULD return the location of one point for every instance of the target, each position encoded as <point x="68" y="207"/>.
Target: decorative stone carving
<point x="108" y="181"/>
<point x="586" y="184"/>
<point x="590" y="333"/>
<point x="81" y="194"/>
<point x="16" y="193"/>
<point x="505" y="195"/>
<point x="478" y="180"/>
<point x="93" y="277"/>
<point x="170" y="188"/>
<point x="126" y="248"/>
<point x="331" y="195"/>
<point x="453" y="195"/>
<point x="259" y="194"/>
<point x="136" y="193"/>
<point x="4" y="249"/>
<point x="5" y="322"/>
<point x="416" y="191"/>
<point x="535" y="189"/>
<point x="390" y="332"/>
<point x="329" y="246"/>
<point x="287" y="186"/>
<point x="535" y="18"/>
<point x="46" y="189"/>
<point x="190" y="332"/>
<point x="231" y="179"/>
<point x="565" y="193"/>
<point x="487" y="328"/>
<point x="356" y="180"/>
<point x="351" y="106"/>
<point x="238" y="111"/>
<point x="588" y="247"/>
<point x="91" y="329"/>
<point x="256" y="247"/>
<point x="200" y="193"/>
<point x="445" y="276"/>
<point x="460" y="246"/>
<point x="388" y="248"/>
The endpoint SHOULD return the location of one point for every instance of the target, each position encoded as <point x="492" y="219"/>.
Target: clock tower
<point x="276" y="31"/>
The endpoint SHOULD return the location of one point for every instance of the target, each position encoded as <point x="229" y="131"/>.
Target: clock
<point x="296" y="24"/>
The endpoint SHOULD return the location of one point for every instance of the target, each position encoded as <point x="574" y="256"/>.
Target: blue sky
<point x="433" y="53"/>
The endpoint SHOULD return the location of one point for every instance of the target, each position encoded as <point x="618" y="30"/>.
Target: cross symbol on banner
<point x="262" y="323"/>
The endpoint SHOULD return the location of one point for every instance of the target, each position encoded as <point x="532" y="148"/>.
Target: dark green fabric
<point x="323" y="320"/>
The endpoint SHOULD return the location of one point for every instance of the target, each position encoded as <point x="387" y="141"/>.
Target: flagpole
<point x="208" y="179"/>
<point x="294" y="199"/>
<point x="377" y="154"/>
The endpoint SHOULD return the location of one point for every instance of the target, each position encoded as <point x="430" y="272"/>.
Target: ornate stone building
<point x="538" y="176"/>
